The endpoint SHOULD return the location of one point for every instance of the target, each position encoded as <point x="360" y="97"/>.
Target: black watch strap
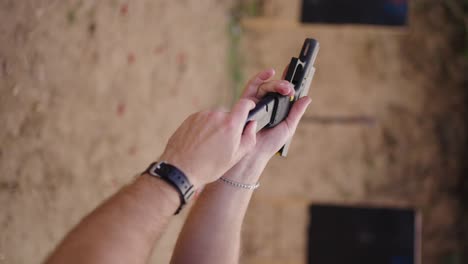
<point x="175" y="177"/>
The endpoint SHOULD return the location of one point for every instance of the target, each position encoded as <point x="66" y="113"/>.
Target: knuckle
<point x="199" y="114"/>
<point x="218" y="115"/>
<point x="191" y="117"/>
<point x="249" y="103"/>
<point x="215" y="118"/>
<point x="230" y="123"/>
<point x="242" y="100"/>
<point x="211" y="115"/>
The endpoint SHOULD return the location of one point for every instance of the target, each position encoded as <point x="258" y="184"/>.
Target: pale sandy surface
<point x="90" y="92"/>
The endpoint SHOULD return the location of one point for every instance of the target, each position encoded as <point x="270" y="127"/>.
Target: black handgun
<point x="274" y="107"/>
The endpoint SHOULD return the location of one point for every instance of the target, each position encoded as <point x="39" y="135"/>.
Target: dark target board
<point x="373" y="12"/>
<point x="341" y="234"/>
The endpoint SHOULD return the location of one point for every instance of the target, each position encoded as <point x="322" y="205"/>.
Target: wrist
<point x="175" y="178"/>
<point x="248" y="170"/>
<point x="151" y="186"/>
<point x="183" y="166"/>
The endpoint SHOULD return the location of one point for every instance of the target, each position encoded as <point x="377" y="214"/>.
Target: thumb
<point x="241" y="111"/>
<point x="248" y="139"/>
<point x="297" y="111"/>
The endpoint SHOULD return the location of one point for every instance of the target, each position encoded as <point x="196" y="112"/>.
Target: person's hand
<point x="209" y="143"/>
<point x="268" y="141"/>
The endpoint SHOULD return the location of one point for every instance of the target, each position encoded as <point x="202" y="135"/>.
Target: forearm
<point x="212" y="232"/>
<point x="124" y="228"/>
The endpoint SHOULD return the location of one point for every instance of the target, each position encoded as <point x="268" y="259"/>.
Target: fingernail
<point x="285" y="89"/>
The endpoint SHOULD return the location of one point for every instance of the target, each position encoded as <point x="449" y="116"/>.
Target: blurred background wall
<point x="91" y="90"/>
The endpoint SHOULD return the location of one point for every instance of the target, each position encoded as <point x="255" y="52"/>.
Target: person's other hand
<point x="269" y="141"/>
<point x="209" y="143"/>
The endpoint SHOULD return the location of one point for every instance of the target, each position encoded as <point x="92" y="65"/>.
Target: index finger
<point x="241" y="110"/>
<point x="252" y="86"/>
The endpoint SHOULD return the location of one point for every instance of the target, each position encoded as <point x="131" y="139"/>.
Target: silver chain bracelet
<point x="240" y="185"/>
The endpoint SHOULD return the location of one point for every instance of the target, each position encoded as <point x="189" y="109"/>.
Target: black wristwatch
<point x="175" y="177"/>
